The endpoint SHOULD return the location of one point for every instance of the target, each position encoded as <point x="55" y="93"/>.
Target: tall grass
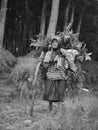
<point x="22" y="77"/>
<point x="24" y="65"/>
<point x="7" y="60"/>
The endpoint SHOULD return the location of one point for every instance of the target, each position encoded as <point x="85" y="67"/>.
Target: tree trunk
<point x="72" y="19"/>
<point x="80" y="21"/>
<point x="23" y="40"/>
<point x="79" y="24"/>
<point x="53" y="18"/>
<point x="43" y="18"/>
<point x="66" y="15"/>
<point x="28" y="25"/>
<point x="2" y="20"/>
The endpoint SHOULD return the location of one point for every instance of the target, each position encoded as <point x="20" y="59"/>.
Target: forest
<point x="24" y="20"/>
<point x="27" y="30"/>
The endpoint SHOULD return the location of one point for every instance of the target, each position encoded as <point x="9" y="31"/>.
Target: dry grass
<point x="74" y="115"/>
<point x="91" y="67"/>
<point x="7" y="60"/>
<point x="16" y="77"/>
<point x="80" y="114"/>
<point x="24" y="64"/>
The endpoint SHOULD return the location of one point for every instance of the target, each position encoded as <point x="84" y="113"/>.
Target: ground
<point x="78" y="113"/>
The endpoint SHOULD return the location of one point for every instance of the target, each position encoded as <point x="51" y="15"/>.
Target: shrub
<point x="24" y="65"/>
<point x="91" y="67"/>
<point x="7" y="60"/>
<point x="23" y="71"/>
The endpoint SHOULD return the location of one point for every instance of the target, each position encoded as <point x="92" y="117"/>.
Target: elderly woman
<point x="55" y="75"/>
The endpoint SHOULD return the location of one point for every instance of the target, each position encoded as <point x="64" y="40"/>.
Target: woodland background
<point x="22" y="20"/>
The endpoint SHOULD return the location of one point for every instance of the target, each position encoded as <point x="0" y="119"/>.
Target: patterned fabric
<point x="59" y="60"/>
<point x="72" y="65"/>
<point x="48" y="56"/>
<point x="56" y="70"/>
<point x="59" y="64"/>
<point x="66" y="65"/>
<point x="70" y="55"/>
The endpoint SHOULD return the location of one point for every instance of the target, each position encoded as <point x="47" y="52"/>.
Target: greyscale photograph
<point x="48" y="64"/>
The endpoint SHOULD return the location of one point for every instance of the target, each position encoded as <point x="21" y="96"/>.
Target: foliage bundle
<point x="75" y="54"/>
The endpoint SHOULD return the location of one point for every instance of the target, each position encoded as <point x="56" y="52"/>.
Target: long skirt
<point x="54" y="90"/>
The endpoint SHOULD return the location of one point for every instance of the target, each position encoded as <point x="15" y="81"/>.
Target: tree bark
<point x="66" y="15"/>
<point x="43" y="18"/>
<point x="53" y="18"/>
<point x="80" y="21"/>
<point x="2" y="20"/>
<point x="79" y="25"/>
<point x="72" y="19"/>
<point x="23" y="40"/>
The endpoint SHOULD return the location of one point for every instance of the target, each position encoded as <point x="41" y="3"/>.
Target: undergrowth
<point x="7" y="60"/>
<point x="78" y="113"/>
<point x="23" y="73"/>
<point x="82" y="114"/>
<point x="24" y="65"/>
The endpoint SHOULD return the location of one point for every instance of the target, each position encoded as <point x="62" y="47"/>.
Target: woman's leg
<point x="50" y="106"/>
<point x="59" y="105"/>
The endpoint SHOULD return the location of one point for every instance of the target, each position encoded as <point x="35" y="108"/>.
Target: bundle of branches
<point x="7" y="60"/>
<point x="40" y="44"/>
<point x="76" y="82"/>
<point x="40" y="41"/>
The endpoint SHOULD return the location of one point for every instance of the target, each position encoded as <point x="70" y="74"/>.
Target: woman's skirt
<point x="54" y="90"/>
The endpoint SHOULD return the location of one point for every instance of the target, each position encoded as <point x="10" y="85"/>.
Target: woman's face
<point x="55" y="44"/>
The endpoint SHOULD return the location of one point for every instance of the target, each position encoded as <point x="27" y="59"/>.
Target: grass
<point x="7" y="60"/>
<point x="82" y="114"/>
<point x="78" y="113"/>
<point x="23" y="65"/>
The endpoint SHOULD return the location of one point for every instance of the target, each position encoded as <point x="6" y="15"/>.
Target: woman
<point x="55" y="75"/>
